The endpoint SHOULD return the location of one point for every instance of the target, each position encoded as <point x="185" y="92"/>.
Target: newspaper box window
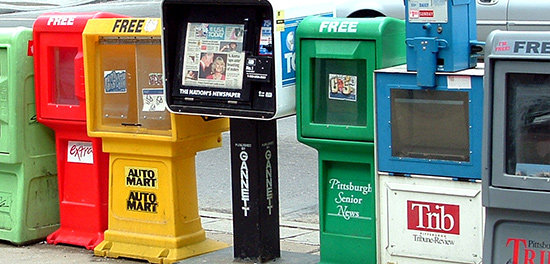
<point x="64" y="72"/>
<point x="133" y="94"/>
<point x="528" y="123"/>
<point x="430" y="124"/>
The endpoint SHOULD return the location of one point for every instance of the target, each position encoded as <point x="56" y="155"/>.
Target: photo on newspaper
<point x="214" y="55"/>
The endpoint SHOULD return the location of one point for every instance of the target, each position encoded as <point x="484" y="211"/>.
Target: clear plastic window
<point x="337" y="99"/>
<point x="64" y="87"/>
<point x="119" y="92"/>
<point x="151" y="105"/>
<point x="528" y="124"/>
<point x="429" y="124"/>
<point x="132" y="86"/>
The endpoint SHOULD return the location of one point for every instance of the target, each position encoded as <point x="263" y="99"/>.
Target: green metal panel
<point x="29" y="203"/>
<point x="347" y="193"/>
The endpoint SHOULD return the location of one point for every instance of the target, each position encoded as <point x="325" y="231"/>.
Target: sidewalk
<point x="297" y="239"/>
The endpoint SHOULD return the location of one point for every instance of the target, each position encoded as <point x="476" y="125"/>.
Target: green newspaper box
<point x="29" y="205"/>
<point x="335" y="64"/>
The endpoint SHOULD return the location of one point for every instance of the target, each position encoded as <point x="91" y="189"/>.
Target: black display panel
<point x="528" y="124"/>
<point x="235" y="36"/>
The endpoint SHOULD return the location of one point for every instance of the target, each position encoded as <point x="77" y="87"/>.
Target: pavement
<point x="298" y="201"/>
<point x="299" y="244"/>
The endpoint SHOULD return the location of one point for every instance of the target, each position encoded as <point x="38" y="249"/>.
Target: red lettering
<point x="516" y="242"/>
<point x="80" y="151"/>
<point x="529" y="256"/>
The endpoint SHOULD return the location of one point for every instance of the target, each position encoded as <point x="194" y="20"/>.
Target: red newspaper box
<point x="83" y="168"/>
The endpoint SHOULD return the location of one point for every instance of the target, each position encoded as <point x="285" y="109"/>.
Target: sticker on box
<point x="342" y="87"/>
<point x="153" y="100"/>
<point x="80" y="152"/>
<point x="115" y="81"/>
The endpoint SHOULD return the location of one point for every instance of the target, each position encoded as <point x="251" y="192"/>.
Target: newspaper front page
<point x="214" y="55"/>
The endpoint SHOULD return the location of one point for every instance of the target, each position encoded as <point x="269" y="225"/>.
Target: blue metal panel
<point x="444" y="20"/>
<point x="399" y="79"/>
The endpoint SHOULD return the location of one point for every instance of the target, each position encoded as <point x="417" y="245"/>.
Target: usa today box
<point x="260" y="78"/>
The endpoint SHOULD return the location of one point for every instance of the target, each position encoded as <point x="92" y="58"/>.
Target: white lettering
<point x="446" y="216"/>
<point x="61" y="20"/>
<point x="323" y="26"/>
<point x="245" y="188"/>
<point x="335" y="183"/>
<point x="351" y="200"/>
<point x="269" y="181"/>
<point x="352" y="27"/>
<point x="435" y="220"/>
<point x="290" y="62"/>
<point x="343" y="27"/>
<point x="338" y="27"/>
<point x="333" y="26"/>
<point x="420" y="213"/>
<point x="344" y="212"/>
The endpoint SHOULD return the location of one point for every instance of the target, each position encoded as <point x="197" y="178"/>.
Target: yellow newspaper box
<point x="153" y="208"/>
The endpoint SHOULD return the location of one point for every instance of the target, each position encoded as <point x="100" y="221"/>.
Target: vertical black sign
<point x="255" y="189"/>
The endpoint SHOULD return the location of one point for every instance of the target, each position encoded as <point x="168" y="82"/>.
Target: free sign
<point x="338" y="26"/>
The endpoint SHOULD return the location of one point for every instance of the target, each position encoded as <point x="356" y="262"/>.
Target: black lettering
<point x="545" y="47"/>
<point x="519" y="45"/>
<point x="132" y="172"/>
<point x="134" y="196"/>
<point x="116" y="25"/>
<point x="147" y="182"/>
<point x="131" y="181"/>
<point x="131" y="26"/>
<point x="139" y="206"/>
<point x="124" y="26"/>
<point x="131" y="205"/>
<point x="141" y="177"/>
<point x="152" y="198"/>
<point x="140" y="25"/>
<point x="532" y="47"/>
<point x="142" y="201"/>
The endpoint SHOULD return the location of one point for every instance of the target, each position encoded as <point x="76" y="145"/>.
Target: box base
<point x="164" y="251"/>
<point x="87" y="239"/>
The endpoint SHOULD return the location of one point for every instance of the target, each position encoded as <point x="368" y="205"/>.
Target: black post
<point x="255" y="190"/>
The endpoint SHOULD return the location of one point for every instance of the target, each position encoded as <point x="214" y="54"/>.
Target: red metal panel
<point x="83" y="168"/>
